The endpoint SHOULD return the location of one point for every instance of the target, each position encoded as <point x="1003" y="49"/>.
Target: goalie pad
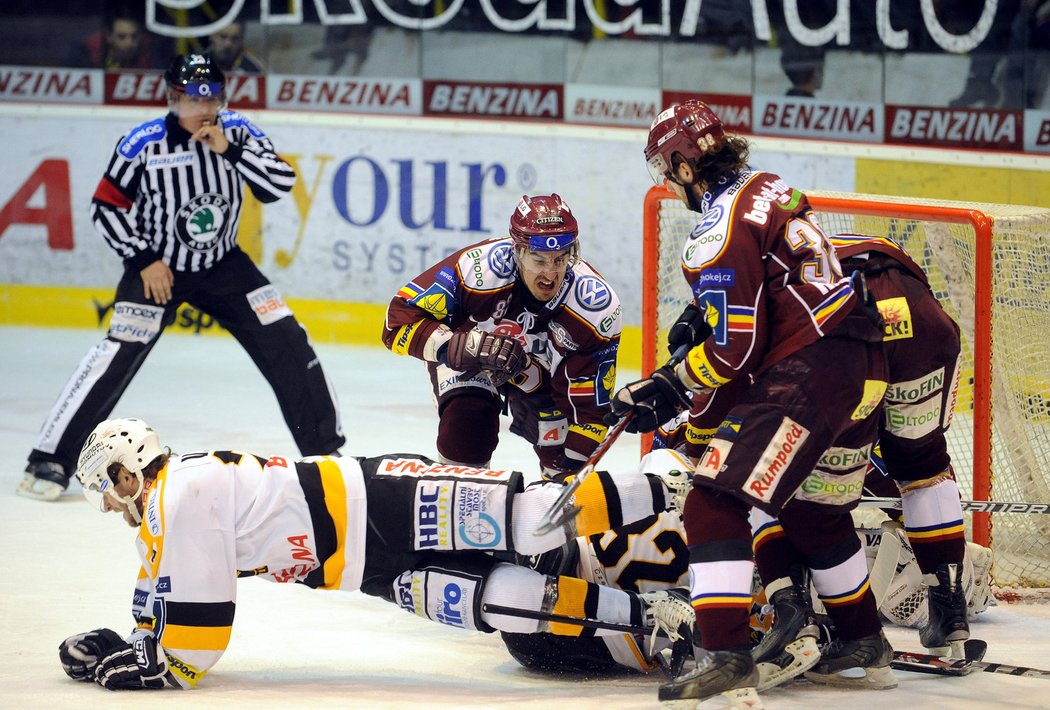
<point x="904" y="602"/>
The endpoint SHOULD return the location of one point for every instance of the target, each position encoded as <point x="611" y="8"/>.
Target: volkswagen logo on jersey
<point x="711" y="218"/>
<point x="200" y="221"/>
<point x="592" y="293"/>
<point x="501" y="261"/>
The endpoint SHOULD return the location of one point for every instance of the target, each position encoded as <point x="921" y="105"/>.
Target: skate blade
<point x="804" y="655"/>
<point x="743" y="699"/>
<point x="869" y="678"/>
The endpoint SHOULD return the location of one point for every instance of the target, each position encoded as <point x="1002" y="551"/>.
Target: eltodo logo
<point x="200" y="221"/>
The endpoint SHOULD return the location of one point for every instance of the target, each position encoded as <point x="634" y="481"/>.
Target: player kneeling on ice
<point x="400" y="527"/>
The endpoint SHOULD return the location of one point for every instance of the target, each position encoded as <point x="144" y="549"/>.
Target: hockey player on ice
<point x="400" y="527"/>
<point x="520" y="323"/>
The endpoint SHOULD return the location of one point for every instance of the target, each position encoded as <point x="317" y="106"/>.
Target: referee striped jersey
<point x="165" y="196"/>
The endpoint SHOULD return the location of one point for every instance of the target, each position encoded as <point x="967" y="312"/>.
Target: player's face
<point x="194" y="112"/>
<point x="115" y="502"/>
<point x="543" y="272"/>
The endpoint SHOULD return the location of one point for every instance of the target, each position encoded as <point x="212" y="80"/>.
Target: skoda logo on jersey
<point x="711" y="218"/>
<point x="501" y="261"/>
<point x="200" y="221"/>
<point x="592" y="293"/>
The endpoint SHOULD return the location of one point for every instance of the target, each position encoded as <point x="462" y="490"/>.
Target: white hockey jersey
<point x="213" y="516"/>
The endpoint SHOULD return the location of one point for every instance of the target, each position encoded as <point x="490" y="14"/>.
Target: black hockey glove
<point x="81" y="653"/>
<point x="690" y="329"/>
<point x="653" y="401"/>
<point x="133" y="666"/>
<point x="501" y="356"/>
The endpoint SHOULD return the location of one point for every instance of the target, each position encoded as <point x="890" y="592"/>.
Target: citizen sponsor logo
<point x="49" y="84"/>
<point x="915" y="390"/>
<point x="973" y="128"/>
<point x="344" y="94"/>
<point x="819" y="118"/>
<point x="525" y="101"/>
<point x="775" y="460"/>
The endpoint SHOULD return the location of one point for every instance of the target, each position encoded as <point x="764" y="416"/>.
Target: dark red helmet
<point x="543" y="223"/>
<point x="197" y="76"/>
<point x="691" y="129"/>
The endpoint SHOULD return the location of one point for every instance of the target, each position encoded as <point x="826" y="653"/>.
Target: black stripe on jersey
<point x="590" y="607"/>
<point x="324" y="527"/>
<point x="612" y="500"/>
<point x="199" y="613"/>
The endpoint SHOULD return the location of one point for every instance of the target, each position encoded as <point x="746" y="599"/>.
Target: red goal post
<point x="990" y="267"/>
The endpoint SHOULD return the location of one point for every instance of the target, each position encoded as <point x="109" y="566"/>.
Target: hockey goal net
<point x="990" y="267"/>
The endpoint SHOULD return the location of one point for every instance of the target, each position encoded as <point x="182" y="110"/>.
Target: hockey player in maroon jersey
<point x="398" y="526"/>
<point x="521" y="318"/>
<point x="807" y="348"/>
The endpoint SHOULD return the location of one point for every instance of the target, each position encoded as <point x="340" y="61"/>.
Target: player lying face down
<point x="414" y="532"/>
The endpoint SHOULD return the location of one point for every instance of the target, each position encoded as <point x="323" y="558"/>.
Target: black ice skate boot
<point x="947" y="629"/>
<point x="790" y="647"/>
<point x="732" y="673"/>
<point x="861" y="663"/>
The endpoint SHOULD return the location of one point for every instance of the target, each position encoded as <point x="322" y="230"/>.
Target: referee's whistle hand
<point x="213" y="137"/>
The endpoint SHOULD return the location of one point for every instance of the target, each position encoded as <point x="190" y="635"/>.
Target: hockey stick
<point x="561" y="510"/>
<point x="925" y="663"/>
<point x="970" y="506"/>
<point x="560" y="619"/>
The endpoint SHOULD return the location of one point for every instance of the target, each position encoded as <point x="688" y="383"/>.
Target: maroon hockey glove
<point x="501" y="356"/>
<point x="651" y="401"/>
<point x="690" y="329"/>
<point x="81" y="653"/>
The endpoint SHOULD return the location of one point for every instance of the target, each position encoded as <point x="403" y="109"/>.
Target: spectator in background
<point x="227" y="49"/>
<point x="121" y="44"/>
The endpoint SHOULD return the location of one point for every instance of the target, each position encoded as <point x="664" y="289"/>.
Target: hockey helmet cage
<point x="690" y="129"/>
<point x="130" y="442"/>
<point x="196" y="76"/>
<point x="544" y="223"/>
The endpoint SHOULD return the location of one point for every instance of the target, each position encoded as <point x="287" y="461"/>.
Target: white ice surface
<point x="71" y="569"/>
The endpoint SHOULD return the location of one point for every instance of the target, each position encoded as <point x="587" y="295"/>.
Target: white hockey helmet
<point x="674" y="469"/>
<point x="130" y="442"/>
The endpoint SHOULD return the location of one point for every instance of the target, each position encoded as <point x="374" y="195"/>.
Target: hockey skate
<point x="670" y="612"/>
<point x="860" y="663"/>
<point x="732" y="673"/>
<point x="790" y="647"/>
<point x="947" y="629"/>
<point x="43" y="480"/>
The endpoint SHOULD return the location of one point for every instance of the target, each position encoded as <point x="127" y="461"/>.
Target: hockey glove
<point x="133" y="666"/>
<point x="501" y="356"/>
<point x="81" y="653"/>
<point x="652" y="401"/>
<point x="690" y="329"/>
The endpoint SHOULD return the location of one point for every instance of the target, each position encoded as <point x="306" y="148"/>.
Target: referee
<point x="168" y="205"/>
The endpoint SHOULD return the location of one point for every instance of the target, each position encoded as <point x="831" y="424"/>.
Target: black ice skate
<point x="861" y="663"/>
<point x="732" y="673"/>
<point x="43" y="480"/>
<point x="790" y="647"/>
<point x="947" y="628"/>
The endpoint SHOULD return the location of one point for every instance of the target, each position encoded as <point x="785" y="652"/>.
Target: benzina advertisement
<point x="377" y="201"/>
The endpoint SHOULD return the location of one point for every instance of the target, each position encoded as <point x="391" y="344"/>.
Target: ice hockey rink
<point x="71" y="569"/>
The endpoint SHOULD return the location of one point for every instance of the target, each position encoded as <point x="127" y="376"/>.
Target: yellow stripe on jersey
<point x="701" y="437"/>
<point x="591" y="431"/>
<point x="572" y="601"/>
<point x="335" y="501"/>
<point x="153" y="519"/>
<point x="701" y="369"/>
<point x="947" y="532"/>
<point x="196" y="638"/>
<point x="594" y="518"/>
<point x="404" y="338"/>
<point x="722" y="601"/>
